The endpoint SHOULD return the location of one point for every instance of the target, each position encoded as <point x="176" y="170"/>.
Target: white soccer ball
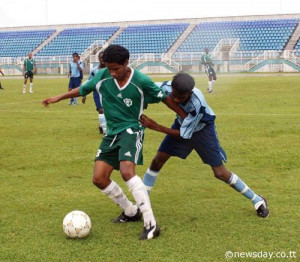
<point x="77" y="224"/>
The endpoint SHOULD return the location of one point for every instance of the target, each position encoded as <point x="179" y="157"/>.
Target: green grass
<point x="46" y="164"/>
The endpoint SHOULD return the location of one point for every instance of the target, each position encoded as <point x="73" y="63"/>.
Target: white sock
<point x="24" y="87"/>
<point x="210" y="84"/>
<point x="116" y="194"/>
<point x="31" y="86"/>
<point x="139" y="192"/>
<point x="102" y="123"/>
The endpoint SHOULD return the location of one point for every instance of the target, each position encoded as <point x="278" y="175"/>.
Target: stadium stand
<point x="20" y="43"/>
<point x="254" y="42"/>
<point x="255" y="35"/>
<point x="76" y="40"/>
<point x="150" y="38"/>
<point x="297" y="48"/>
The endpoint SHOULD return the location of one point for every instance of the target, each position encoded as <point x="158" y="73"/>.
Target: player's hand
<point x="148" y="122"/>
<point x="49" y="101"/>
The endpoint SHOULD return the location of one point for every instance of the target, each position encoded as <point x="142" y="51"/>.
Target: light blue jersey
<point x="199" y="112"/>
<point x="74" y="70"/>
<point x="93" y="72"/>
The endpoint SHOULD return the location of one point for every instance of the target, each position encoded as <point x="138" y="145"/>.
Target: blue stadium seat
<point x="20" y="43"/>
<point x="150" y="38"/>
<point x="271" y="34"/>
<point x="76" y="40"/>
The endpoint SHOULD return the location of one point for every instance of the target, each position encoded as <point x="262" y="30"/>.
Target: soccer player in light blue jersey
<point x="75" y="74"/>
<point x="97" y="100"/>
<point x="195" y="132"/>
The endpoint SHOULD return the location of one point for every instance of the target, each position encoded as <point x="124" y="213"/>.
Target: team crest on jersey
<point x="127" y="101"/>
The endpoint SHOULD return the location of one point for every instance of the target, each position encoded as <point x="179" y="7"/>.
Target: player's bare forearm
<point x="55" y="99"/>
<point x="151" y="124"/>
<point x="175" y="107"/>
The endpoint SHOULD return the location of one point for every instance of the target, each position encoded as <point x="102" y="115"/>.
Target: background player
<point x="196" y="132"/>
<point x="207" y="62"/>
<point x="75" y="74"/>
<point x="123" y="92"/>
<point x="101" y="117"/>
<point x="1" y="72"/>
<point x="29" y="69"/>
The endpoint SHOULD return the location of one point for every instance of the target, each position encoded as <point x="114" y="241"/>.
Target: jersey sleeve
<point x="189" y="124"/>
<point x="153" y="94"/>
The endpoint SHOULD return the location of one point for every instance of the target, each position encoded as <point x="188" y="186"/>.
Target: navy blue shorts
<point x="74" y="82"/>
<point x="97" y="100"/>
<point x="205" y="142"/>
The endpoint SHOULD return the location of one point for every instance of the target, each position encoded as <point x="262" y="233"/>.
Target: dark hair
<point x="116" y="54"/>
<point x="75" y="54"/>
<point x="183" y="83"/>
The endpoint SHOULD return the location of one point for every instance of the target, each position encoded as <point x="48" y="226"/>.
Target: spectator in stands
<point x="3" y="75"/>
<point x="29" y="69"/>
<point x="208" y="64"/>
<point x="75" y="75"/>
<point x="102" y="120"/>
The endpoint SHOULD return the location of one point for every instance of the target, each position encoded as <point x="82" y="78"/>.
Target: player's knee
<point x="222" y="174"/>
<point x="157" y="163"/>
<point x="126" y="173"/>
<point x="100" y="182"/>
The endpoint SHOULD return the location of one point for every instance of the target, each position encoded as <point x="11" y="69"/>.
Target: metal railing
<point x="261" y="58"/>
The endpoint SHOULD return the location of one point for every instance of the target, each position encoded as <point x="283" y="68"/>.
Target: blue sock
<point x="75" y="100"/>
<point x="149" y="179"/>
<point x="241" y="187"/>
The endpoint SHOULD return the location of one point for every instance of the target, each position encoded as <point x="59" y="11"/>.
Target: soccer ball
<point x="77" y="224"/>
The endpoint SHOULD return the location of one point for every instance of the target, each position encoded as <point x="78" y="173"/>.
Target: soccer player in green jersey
<point x="28" y="70"/>
<point x="207" y="62"/>
<point x="123" y="92"/>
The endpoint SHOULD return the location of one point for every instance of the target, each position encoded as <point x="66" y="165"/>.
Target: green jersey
<point x="123" y="105"/>
<point x="29" y="64"/>
<point x="206" y="59"/>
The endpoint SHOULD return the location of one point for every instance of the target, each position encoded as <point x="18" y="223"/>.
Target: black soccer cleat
<point x="150" y="233"/>
<point x="262" y="210"/>
<point x="123" y="218"/>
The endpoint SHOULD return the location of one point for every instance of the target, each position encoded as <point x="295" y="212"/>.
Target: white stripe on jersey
<point x="142" y="99"/>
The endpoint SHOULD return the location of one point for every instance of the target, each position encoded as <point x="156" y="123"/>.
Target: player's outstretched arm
<point x="175" y="107"/>
<point x="150" y="123"/>
<point x="55" y="99"/>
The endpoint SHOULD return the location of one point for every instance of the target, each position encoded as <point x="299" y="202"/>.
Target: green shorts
<point x="125" y="146"/>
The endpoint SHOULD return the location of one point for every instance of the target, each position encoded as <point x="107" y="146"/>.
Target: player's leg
<point x="170" y="146"/>
<point x="152" y="172"/>
<point x="101" y="179"/>
<point x="76" y="84"/>
<point x="1" y="86"/>
<point x="214" y="77"/>
<point x="239" y="185"/>
<point x="140" y="195"/>
<point x="210" y="81"/>
<point x="207" y="70"/>
<point x="130" y="153"/>
<point x="208" y="148"/>
<point x="70" y="87"/>
<point x="31" y="83"/>
<point x="25" y="83"/>
<point x="107" y="159"/>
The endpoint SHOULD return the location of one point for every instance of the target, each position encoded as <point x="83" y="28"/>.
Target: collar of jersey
<point x="128" y="81"/>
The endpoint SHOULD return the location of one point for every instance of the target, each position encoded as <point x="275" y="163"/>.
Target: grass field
<point x="46" y="163"/>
